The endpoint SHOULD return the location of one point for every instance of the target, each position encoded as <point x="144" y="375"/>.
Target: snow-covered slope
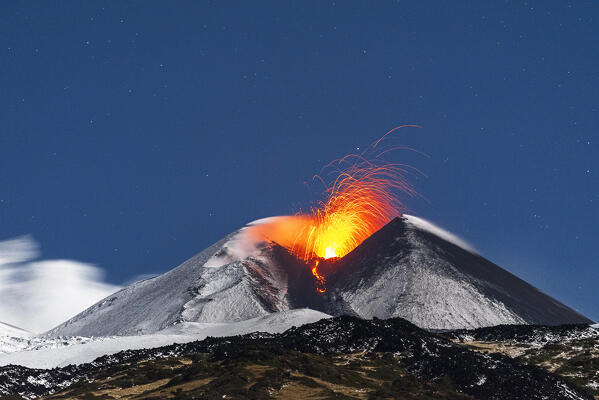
<point x="414" y="270"/>
<point x="57" y="352"/>
<point x="217" y="285"/>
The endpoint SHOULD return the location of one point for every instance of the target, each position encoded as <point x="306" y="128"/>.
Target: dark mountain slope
<point x="382" y="358"/>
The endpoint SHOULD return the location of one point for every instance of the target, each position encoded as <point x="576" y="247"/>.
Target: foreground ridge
<point x="344" y="357"/>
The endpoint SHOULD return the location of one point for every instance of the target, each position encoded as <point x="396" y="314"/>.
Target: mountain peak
<point x="414" y="270"/>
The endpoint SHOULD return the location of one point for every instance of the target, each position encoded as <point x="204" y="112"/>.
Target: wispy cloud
<point x="19" y="249"/>
<point x="442" y="233"/>
<point x="38" y="295"/>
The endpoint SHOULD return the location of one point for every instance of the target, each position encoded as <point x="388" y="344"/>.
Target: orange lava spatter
<point x="360" y="198"/>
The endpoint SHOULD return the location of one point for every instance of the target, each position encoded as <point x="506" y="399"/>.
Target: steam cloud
<point x="442" y="233"/>
<point x="39" y="295"/>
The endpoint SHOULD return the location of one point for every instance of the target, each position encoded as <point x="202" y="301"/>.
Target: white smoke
<point x="38" y="295"/>
<point x="438" y="231"/>
<point x="243" y="244"/>
<point x="240" y="246"/>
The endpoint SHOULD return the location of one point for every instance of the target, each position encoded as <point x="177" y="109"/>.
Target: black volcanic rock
<point x="388" y="345"/>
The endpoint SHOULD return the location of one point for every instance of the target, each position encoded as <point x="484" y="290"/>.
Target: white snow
<point x="11" y="330"/>
<point x="438" y="231"/>
<point x="56" y="352"/>
<point x="11" y="344"/>
<point x="237" y="290"/>
<point x="12" y="338"/>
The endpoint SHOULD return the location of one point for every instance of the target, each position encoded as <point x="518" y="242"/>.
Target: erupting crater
<point x="361" y="196"/>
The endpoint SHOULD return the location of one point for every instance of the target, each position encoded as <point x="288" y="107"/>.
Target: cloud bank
<point x="38" y="295"/>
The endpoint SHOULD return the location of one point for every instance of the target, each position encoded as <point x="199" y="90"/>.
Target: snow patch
<point x="59" y="352"/>
<point x="13" y="331"/>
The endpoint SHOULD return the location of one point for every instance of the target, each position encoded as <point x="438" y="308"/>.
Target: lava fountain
<point x="361" y="196"/>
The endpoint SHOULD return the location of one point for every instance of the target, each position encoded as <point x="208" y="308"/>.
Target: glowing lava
<point x="331" y="251"/>
<point x="320" y="287"/>
<point x="359" y="200"/>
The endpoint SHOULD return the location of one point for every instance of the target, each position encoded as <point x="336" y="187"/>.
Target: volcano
<point x="409" y="269"/>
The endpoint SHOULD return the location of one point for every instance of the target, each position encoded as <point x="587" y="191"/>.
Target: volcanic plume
<point x="360" y="197"/>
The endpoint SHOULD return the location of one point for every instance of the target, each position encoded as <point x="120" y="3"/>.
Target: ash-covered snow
<point x="414" y="270"/>
<point x="430" y="293"/>
<point x="228" y="289"/>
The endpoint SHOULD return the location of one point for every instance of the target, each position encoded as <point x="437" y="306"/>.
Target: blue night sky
<point x="133" y="135"/>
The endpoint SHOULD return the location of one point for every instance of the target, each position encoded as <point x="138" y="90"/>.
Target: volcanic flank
<point x="407" y="269"/>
